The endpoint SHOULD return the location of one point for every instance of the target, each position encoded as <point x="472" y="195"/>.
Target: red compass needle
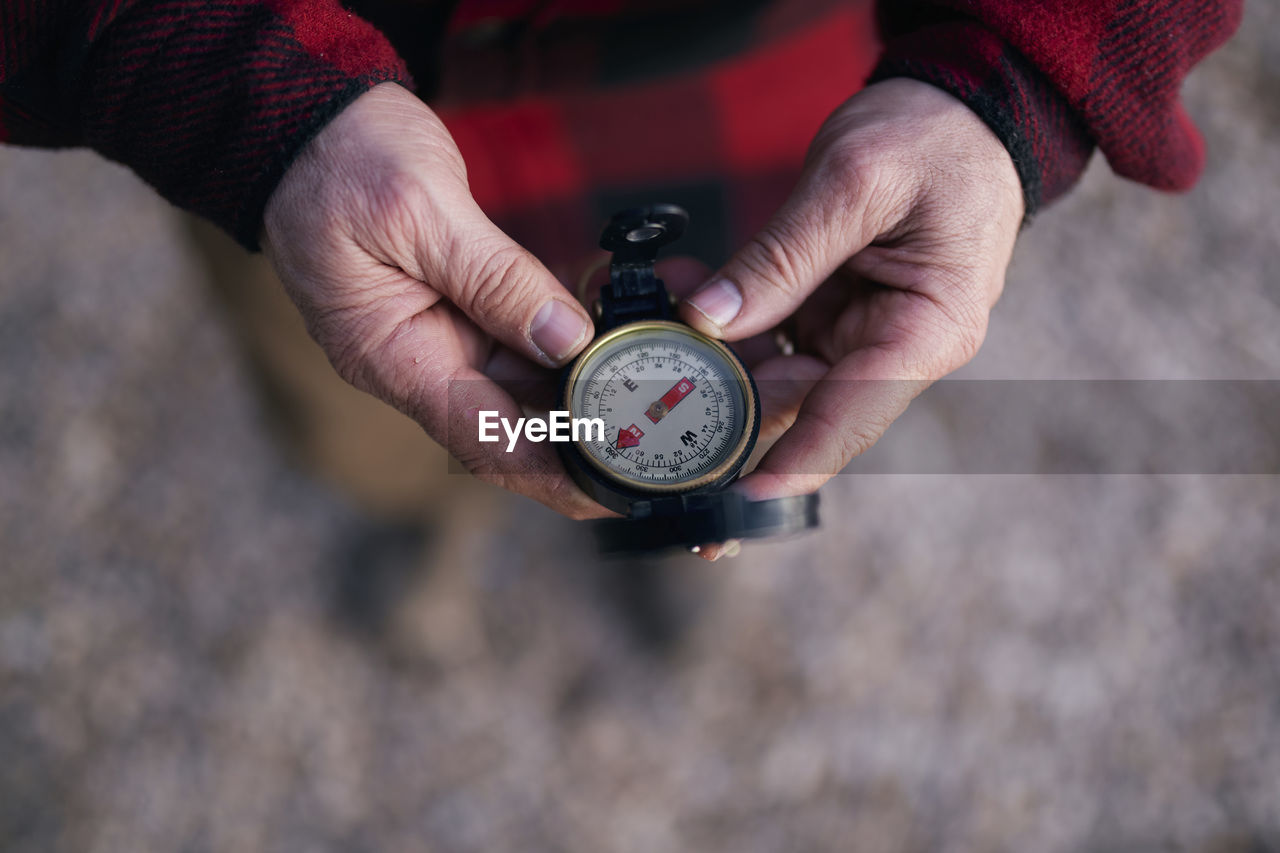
<point x="664" y="404"/>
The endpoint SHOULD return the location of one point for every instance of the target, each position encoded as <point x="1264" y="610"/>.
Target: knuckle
<point x="971" y="331"/>
<point x="565" y="497"/>
<point x="849" y="180"/>
<point x="349" y="357"/>
<point x="416" y="385"/>
<point x="950" y="337"/>
<point x="412" y="392"/>
<point x="479" y="464"/>
<point x="355" y="360"/>
<point x="499" y="279"/>
<point x="964" y="339"/>
<point x="529" y="476"/>
<point x="366" y="355"/>
<point x="344" y="335"/>
<point x="845" y="166"/>
<point x="851" y="439"/>
<point x="955" y="287"/>
<point x="961" y="304"/>
<point x="397" y="201"/>
<point x="781" y="256"/>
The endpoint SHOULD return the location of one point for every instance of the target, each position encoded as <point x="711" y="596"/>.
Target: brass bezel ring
<point x="740" y="374"/>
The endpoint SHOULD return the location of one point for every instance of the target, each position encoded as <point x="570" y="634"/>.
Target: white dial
<point x="674" y="404"/>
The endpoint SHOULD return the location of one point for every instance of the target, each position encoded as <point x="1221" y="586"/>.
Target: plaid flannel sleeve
<point x="1056" y="80"/>
<point x="209" y="102"/>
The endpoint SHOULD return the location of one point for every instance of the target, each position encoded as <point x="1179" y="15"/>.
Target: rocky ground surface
<point x="205" y="645"/>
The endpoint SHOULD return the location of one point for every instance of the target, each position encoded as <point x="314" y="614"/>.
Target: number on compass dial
<point x="673" y="404"/>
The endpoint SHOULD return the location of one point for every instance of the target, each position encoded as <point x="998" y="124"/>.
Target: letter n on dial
<point x="629" y="437"/>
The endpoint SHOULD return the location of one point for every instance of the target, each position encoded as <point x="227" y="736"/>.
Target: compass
<point x="680" y="411"/>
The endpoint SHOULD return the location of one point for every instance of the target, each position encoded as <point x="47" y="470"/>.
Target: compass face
<point x="677" y="406"/>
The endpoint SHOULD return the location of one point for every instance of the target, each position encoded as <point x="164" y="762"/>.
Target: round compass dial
<point x="679" y="409"/>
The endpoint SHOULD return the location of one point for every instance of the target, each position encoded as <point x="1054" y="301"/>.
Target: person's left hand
<point x="885" y="262"/>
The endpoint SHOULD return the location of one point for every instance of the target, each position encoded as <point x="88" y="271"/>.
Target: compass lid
<point x="681" y="521"/>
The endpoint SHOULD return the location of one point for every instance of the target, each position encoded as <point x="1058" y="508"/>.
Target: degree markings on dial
<point x="615" y="372"/>
<point x="696" y="452"/>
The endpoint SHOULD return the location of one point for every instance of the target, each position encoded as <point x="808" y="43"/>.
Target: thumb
<point x="808" y="239"/>
<point x="506" y="291"/>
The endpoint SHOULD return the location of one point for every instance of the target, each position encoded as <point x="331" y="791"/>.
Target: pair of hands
<point x="887" y="258"/>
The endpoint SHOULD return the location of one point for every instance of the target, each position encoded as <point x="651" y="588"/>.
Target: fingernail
<point x="732" y="548"/>
<point x="556" y="329"/>
<point x="719" y="301"/>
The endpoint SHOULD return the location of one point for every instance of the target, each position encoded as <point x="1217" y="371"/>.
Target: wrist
<point x="1044" y="137"/>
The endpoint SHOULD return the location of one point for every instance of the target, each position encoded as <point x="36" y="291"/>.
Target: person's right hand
<point x="412" y="291"/>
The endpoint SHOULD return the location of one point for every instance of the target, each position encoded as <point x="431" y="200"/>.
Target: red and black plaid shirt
<point x="568" y="109"/>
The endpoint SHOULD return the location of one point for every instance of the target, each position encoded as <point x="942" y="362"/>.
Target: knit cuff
<point x="1048" y="142"/>
<point x="211" y="102"/>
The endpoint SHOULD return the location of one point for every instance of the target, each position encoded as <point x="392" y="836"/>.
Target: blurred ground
<point x="206" y="644"/>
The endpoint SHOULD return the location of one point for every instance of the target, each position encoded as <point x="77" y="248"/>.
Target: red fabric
<point x="1054" y="78"/>
<point x="565" y="106"/>
<point x="333" y="35"/>
<point x="544" y="164"/>
<point x="482" y="13"/>
<point x="207" y="101"/>
<point x="802" y="79"/>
